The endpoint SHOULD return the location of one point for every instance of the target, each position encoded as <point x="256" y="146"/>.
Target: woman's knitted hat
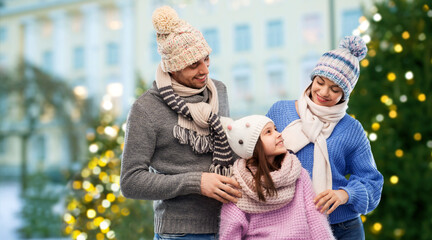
<point x="342" y="65"/>
<point x="179" y="44"/>
<point x="243" y="134"/>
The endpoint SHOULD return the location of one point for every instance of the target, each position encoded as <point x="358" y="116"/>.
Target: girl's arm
<point x="233" y="223"/>
<point x="318" y="223"/>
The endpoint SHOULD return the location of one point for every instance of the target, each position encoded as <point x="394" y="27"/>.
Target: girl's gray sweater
<point x="156" y="167"/>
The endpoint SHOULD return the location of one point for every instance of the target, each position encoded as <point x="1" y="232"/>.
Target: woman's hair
<point x="264" y="184"/>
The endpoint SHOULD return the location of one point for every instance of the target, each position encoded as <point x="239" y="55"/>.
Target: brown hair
<point x="262" y="178"/>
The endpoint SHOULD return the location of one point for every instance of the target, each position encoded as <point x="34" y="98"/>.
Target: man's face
<point x="194" y="75"/>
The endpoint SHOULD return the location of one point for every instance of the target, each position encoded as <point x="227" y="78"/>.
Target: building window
<point x="155" y="57"/>
<point x="40" y="148"/>
<point x="242" y="38"/>
<point x="212" y="38"/>
<point x="242" y="76"/>
<point x="275" y="34"/>
<point x="47" y="61"/>
<point x="3" y="34"/>
<point x="350" y="21"/>
<point x="112" y="54"/>
<point x="78" y="58"/>
<point x="276" y="85"/>
<point x="3" y="144"/>
<point x="312" y="25"/>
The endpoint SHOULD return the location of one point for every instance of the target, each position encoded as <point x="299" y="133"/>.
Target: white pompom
<point x="165" y="20"/>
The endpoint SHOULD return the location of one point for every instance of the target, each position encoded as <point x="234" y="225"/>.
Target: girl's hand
<point x="332" y="198"/>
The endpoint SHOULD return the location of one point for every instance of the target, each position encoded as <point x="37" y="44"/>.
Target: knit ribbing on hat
<point x="179" y="44"/>
<point x="342" y="65"/>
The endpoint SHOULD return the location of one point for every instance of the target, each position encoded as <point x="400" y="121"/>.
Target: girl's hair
<point x="262" y="178"/>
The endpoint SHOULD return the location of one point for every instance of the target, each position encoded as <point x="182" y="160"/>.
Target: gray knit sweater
<point x="156" y="167"/>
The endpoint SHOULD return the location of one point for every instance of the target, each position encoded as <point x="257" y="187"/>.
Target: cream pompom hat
<point x="179" y="44"/>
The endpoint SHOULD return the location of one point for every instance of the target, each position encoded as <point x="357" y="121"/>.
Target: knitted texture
<point x="284" y="179"/>
<point x="179" y="44"/>
<point x="222" y="155"/>
<point x="155" y="166"/>
<point x="349" y="153"/>
<point x="342" y="65"/>
<point x="244" y="133"/>
<point x="298" y="219"/>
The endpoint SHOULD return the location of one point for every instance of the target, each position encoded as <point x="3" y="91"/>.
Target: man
<point x="174" y="143"/>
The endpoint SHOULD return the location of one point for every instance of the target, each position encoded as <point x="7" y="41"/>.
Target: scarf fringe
<point x="200" y="144"/>
<point x="221" y="170"/>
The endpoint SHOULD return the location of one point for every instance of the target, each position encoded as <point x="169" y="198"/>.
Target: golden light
<point x="85" y="173"/>
<point x="97" y="221"/>
<point x="421" y="97"/>
<point x="399" y="153"/>
<point x="394" y="179"/>
<point x="363" y="218"/>
<point x="405" y="35"/>
<point x="391" y="76"/>
<point x="375" y="126"/>
<point x="392" y="114"/>
<point x="68" y="218"/>
<point x="364" y="63"/>
<point x="377" y="227"/>
<point x="398" y="232"/>
<point x="110" y="197"/>
<point x="75" y="234"/>
<point x="372" y="53"/>
<point x="100" y="209"/>
<point x="125" y="212"/>
<point x="100" y="236"/>
<point x="384" y="98"/>
<point x="91" y="213"/>
<point x="398" y="48"/>
<point x="88" y="198"/>
<point x="417" y="136"/>
<point x="115" y="208"/>
<point x="76" y="184"/>
<point x="109" y="153"/>
<point x="425" y="8"/>
<point x="68" y="230"/>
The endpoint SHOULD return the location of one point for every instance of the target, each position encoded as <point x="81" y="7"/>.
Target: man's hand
<point x="328" y="198"/>
<point x="220" y="187"/>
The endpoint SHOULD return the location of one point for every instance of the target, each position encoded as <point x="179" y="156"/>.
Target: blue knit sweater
<point x="352" y="164"/>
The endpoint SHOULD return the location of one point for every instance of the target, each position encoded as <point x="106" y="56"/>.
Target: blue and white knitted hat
<point x="342" y="65"/>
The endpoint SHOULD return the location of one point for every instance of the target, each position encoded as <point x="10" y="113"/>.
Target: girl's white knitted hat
<point x="243" y="134"/>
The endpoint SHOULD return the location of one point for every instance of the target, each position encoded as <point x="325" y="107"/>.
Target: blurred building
<point x="263" y="50"/>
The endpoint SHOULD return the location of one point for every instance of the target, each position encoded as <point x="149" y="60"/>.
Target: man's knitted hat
<point x="179" y="44"/>
<point x="342" y="65"/>
<point x="243" y="134"/>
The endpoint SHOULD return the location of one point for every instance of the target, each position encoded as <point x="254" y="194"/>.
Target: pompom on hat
<point x="342" y="65"/>
<point x="243" y="134"/>
<point x="179" y="44"/>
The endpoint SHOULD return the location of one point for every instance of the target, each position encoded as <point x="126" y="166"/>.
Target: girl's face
<point x="325" y="92"/>
<point x="272" y="141"/>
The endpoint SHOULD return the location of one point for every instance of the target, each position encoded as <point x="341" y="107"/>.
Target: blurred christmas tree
<point x="96" y="209"/>
<point x="393" y="101"/>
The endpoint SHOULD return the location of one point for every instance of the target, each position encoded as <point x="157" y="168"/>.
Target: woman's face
<point x="272" y="141"/>
<point x="325" y="92"/>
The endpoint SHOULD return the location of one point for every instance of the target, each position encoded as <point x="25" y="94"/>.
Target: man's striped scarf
<point x="203" y="115"/>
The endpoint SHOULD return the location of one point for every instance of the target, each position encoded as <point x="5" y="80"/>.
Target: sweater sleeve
<point x="136" y="181"/>
<point x="233" y="223"/>
<point x="318" y="223"/>
<point x="365" y="183"/>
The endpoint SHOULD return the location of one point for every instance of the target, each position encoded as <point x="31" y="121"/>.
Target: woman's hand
<point x="221" y="188"/>
<point x="332" y="198"/>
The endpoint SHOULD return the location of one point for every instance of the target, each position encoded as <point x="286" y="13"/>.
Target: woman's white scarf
<point x="315" y="125"/>
<point x="198" y="123"/>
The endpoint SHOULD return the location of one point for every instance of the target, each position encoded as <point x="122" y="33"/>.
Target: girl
<point x="331" y="145"/>
<point x="277" y="195"/>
